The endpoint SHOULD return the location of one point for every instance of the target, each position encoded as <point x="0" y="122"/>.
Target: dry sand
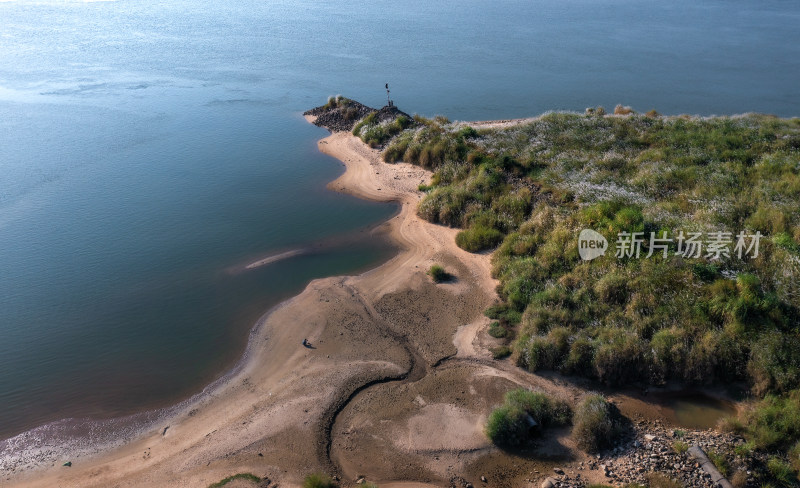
<point x="397" y="387"/>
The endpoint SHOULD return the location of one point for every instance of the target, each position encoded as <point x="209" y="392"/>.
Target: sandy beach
<point x="396" y="387"/>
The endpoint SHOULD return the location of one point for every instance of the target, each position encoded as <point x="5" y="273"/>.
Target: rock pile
<point x="343" y="115"/>
<point x="664" y="450"/>
<point x="655" y="448"/>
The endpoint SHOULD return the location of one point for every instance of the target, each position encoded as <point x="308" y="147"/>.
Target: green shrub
<point x="680" y="447"/>
<point x="744" y="450"/>
<point x="669" y="347"/>
<point x="438" y="273"/>
<point x="508" y="426"/>
<point x="774" y="422"/>
<point x="782" y="471"/>
<point x="596" y="425"/>
<point x="536" y="353"/>
<point x="376" y="133"/>
<point x="720" y="461"/>
<point x="478" y="238"/>
<point x="337" y="102"/>
<point x="318" y="480"/>
<point x="775" y="363"/>
<point x="239" y="476"/>
<point x="786" y="241"/>
<point x="497" y="331"/>
<point x="794" y="456"/>
<point x="621" y="358"/>
<point x="503" y="313"/>
<point x="541" y="407"/>
<point x="500" y="352"/>
<point x="580" y="358"/>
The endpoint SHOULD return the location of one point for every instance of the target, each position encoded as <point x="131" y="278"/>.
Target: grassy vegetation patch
<point x="319" y="480"/>
<point x="497" y="331"/>
<point x="530" y="189"/>
<point x="239" y="476"/>
<point x="523" y="413"/>
<point x="500" y="352"/>
<point x="376" y="132"/>
<point x="597" y="424"/>
<point x="438" y="273"/>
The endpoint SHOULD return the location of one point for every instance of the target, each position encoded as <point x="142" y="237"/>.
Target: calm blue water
<point x="150" y="149"/>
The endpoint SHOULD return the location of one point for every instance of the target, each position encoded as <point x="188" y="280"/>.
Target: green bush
<point x="318" y="480"/>
<point x="376" y="133"/>
<point x="500" y="352"/>
<point x="794" y="456"/>
<point x="239" y="476"/>
<point x="782" y="471"/>
<point x="621" y="358"/>
<point x="503" y="313"/>
<point x="510" y="424"/>
<point x="478" y="238"/>
<point x="438" y="273"/>
<point x="545" y="410"/>
<point x="774" y="364"/>
<point x="720" y="461"/>
<point x="542" y="352"/>
<point x="580" y="358"/>
<point x="774" y="422"/>
<point x="497" y="331"/>
<point x="596" y="424"/>
<point x="680" y="447"/>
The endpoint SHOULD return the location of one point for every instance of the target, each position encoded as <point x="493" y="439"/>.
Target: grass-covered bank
<point x="719" y="314"/>
<point x="531" y="189"/>
<point x="697" y="318"/>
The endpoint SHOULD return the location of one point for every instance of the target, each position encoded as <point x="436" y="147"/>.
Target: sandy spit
<point x="273" y="417"/>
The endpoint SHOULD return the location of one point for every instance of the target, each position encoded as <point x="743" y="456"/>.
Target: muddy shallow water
<point x="687" y="409"/>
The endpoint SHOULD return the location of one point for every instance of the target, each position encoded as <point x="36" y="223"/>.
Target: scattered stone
<point x="558" y="471"/>
<point x="549" y="483"/>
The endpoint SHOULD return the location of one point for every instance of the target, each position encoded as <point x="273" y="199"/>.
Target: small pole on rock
<point x="388" y="101"/>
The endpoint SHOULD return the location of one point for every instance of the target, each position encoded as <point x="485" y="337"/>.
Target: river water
<point x="150" y="150"/>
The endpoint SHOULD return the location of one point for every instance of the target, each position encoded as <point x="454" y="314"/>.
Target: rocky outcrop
<point x="341" y="114"/>
<point x="656" y="448"/>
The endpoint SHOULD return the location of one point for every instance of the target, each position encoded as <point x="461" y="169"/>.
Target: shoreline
<point x="190" y="422"/>
<point x="397" y="386"/>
